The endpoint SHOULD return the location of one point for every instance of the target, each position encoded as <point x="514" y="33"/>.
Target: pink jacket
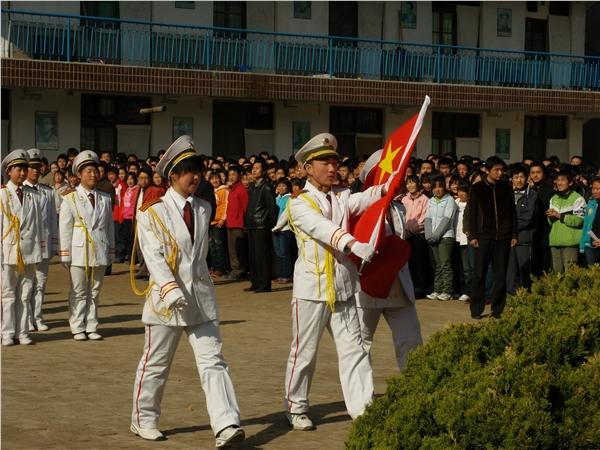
<point x="416" y="207"/>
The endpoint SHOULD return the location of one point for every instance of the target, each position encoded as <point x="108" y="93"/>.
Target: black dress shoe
<point x="251" y="289"/>
<point x="478" y="317"/>
<point x="261" y="290"/>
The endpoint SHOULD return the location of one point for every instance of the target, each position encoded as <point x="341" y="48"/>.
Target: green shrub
<point x="530" y="380"/>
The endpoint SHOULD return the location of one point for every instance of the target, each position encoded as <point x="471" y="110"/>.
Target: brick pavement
<point x="64" y="394"/>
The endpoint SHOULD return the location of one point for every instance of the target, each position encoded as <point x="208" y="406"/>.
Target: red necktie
<point x="92" y="200"/>
<point x="328" y="198"/>
<point x="20" y="195"/>
<point x="188" y="218"/>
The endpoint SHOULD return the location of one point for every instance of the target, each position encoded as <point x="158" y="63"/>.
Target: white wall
<point x="260" y="16"/>
<point x="22" y="134"/>
<point x="489" y="25"/>
<point x="515" y="122"/>
<point x="199" y="109"/>
<point x="318" y="23"/>
<point x="315" y="113"/>
<point x="201" y="15"/>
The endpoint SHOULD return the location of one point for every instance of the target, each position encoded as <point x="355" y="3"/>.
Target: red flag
<point x="381" y="271"/>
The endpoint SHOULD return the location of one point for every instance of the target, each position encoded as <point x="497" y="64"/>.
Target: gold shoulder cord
<point x="88" y="238"/>
<point x="328" y="267"/>
<point x="171" y="260"/>
<point x="14" y="225"/>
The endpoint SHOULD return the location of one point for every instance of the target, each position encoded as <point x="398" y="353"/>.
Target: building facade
<point x="505" y="78"/>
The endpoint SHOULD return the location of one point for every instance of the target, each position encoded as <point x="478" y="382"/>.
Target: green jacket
<point x="566" y="231"/>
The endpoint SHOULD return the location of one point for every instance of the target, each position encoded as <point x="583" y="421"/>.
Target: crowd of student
<point x="435" y="197"/>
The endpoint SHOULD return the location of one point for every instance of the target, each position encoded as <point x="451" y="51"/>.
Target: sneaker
<point x="41" y="326"/>
<point x="94" y="336"/>
<point x="232" y="276"/>
<point x="285" y="280"/>
<point x="464" y="298"/>
<point x="150" y="434"/>
<point x="455" y="296"/>
<point x="8" y="342"/>
<point x="230" y="435"/>
<point x="25" y="340"/>
<point x="32" y="327"/>
<point x="80" y="337"/>
<point x="433" y="296"/>
<point x="444" y="297"/>
<point x="299" y="422"/>
<point x="216" y="273"/>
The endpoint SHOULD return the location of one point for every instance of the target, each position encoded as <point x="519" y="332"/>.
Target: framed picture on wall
<point x="504" y="22"/>
<point x="409" y="15"/>
<point x="181" y="126"/>
<point x="302" y="10"/>
<point x="503" y="143"/>
<point x="301" y="134"/>
<point x="46" y="130"/>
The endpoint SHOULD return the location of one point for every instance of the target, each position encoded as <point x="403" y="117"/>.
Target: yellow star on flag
<point x="386" y="164"/>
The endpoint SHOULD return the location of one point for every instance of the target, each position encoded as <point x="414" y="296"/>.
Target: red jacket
<point x="237" y="204"/>
<point x="120" y="189"/>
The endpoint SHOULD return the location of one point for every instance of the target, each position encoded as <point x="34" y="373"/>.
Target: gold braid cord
<point x="14" y="225"/>
<point x="88" y="238"/>
<point x="328" y="266"/>
<point x="171" y="260"/>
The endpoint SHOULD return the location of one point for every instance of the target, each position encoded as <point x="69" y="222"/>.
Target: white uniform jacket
<point x="403" y="288"/>
<point x="87" y="233"/>
<point x="329" y="228"/>
<point x="49" y="218"/>
<point x="29" y="233"/>
<point x="191" y="279"/>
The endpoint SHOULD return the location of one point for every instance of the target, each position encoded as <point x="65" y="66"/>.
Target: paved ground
<point x="64" y="394"/>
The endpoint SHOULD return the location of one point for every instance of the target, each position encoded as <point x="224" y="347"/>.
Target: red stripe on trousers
<point x="137" y="398"/>
<point x="295" y="357"/>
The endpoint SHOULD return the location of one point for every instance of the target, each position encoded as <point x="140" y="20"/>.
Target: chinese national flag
<point x="393" y="252"/>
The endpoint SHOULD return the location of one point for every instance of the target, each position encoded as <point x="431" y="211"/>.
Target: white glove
<point x="178" y="304"/>
<point x="66" y="265"/>
<point x="386" y="186"/>
<point x="363" y="251"/>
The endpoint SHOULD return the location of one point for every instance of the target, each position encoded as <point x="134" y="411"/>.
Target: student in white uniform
<point x="50" y="229"/>
<point x="398" y="308"/>
<point x="173" y="235"/>
<point x="326" y="282"/>
<point x="21" y="250"/>
<point x="87" y="244"/>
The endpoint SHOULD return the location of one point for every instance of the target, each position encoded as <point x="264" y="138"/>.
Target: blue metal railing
<point x="71" y="38"/>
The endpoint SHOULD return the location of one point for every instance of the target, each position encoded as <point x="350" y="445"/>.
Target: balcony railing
<point x="28" y="35"/>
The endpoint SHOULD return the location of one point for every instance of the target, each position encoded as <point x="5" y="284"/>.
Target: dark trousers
<point x="128" y="231"/>
<point x="120" y="242"/>
<point x="541" y="260"/>
<point x="496" y="252"/>
<point x="217" y="248"/>
<point x="261" y="249"/>
<point x="286" y="250"/>
<point x="519" y="269"/>
<point x="418" y="263"/>
<point x="237" y="243"/>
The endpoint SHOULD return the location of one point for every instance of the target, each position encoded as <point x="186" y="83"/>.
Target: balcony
<point x="55" y="37"/>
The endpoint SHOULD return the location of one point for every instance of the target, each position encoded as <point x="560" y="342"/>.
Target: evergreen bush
<point x="530" y="380"/>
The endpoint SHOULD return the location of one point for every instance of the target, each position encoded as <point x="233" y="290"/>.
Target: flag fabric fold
<point x="378" y="275"/>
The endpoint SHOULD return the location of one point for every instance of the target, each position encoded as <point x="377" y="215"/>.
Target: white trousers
<point x="310" y="318"/>
<point x="16" y="290"/>
<point x="153" y="371"/>
<point x="83" y="298"/>
<point x="404" y="323"/>
<point x="37" y="295"/>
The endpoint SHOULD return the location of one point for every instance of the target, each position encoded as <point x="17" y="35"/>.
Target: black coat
<point x="492" y="213"/>
<point x="527" y="216"/>
<point x="262" y="210"/>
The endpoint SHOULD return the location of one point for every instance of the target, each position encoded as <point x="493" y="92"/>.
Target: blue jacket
<point x="588" y="221"/>
<point x="439" y="219"/>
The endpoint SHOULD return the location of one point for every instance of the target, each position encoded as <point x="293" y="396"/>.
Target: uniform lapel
<point x="178" y="227"/>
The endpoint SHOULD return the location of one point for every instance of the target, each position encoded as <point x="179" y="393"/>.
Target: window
<point x="110" y="10"/>
<point x="536" y="36"/>
<point x="343" y="21"/>
<point x="101" y="113"/>
<point x="444" y="23"/>
<point x="538" y="129"/>
<point x="230" y="15"/>
<point x="532" y="6"/>
<point x="559" y="8"/>
<point x="346" y="123"/>
<point x="448" y="126"/>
